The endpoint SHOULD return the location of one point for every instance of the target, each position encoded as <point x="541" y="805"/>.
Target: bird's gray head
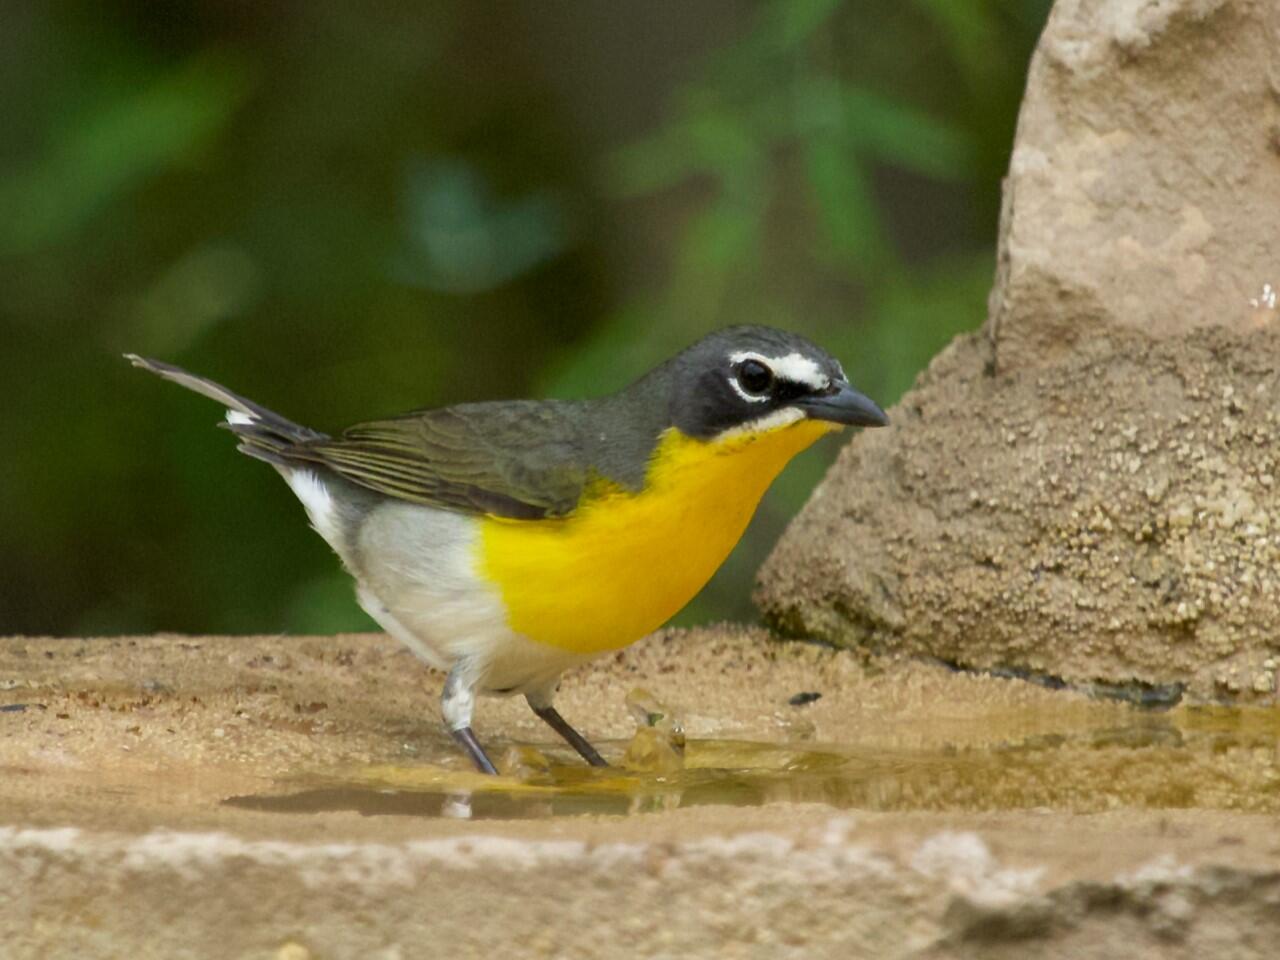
<point x="746" y="380"/>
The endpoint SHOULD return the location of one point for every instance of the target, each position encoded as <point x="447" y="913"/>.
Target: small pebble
<point x="804" y="698"/>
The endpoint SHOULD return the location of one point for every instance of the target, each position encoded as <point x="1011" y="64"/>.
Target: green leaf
<point x="897" y="133"/>
<point x="620" y="349"/>
<point x="910" y="317"/>
<point x="970" y="32"/>
<point x="726" y="145"/>
<point x="655" y="163"/>
<point x="845" y="204"/>
<point x="122" y="143"/>
<point x="711" y="141"/>
<point x="721" y="237"/>
<point x="791" y="22"/>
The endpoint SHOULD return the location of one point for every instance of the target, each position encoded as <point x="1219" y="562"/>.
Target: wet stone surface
<point x="305" y="786"/>
<point x="1209" y="758"/>
<point x="349" y="725"/>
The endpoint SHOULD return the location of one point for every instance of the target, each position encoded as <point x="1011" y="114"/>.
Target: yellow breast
<point x="623" y="564"/>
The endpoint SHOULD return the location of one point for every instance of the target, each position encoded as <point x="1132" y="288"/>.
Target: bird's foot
<point x="551" y="716"/>
<point x="466" y="738"/>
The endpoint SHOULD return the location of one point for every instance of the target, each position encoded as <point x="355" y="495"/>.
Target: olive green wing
<point x="519" y="459"/>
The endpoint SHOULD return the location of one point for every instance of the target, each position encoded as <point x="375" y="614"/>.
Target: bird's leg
<point x="541" y="705"/>
<point x="457" y="704"/>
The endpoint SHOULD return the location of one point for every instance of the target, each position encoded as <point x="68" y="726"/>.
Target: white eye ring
<point x="748" y="394"/>
<point x="739" y="360"/>
<point x="750" y="397"/>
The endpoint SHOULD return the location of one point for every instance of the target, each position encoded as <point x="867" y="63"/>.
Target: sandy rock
<point x="1144" y="185"/>
<point x="835" y="890"/>
<point x="1105" y="518"/>
<point x="1087" y="490"/>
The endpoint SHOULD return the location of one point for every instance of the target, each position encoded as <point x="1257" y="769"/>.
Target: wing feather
<point x="522" y="460"/>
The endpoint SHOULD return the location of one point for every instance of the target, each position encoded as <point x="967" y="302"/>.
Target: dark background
<point x="347" y="210"/>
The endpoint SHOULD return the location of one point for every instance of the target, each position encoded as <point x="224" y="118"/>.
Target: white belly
<point x="416" y="568"/>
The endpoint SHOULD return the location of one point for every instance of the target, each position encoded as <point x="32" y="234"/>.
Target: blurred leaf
<point x="911" y="316"/>
<point x="202" y="288"/>
<point x="897" y="133"/>
<point x="116" y="147"/>
<point x="791" y="22"/>
<point x="726" y="145"/>
<point x="722" y="236"/>
<point x="970" y="32"/>
<point x="654" y="163"/>
<point x="621" y="350"/>
<point x="710" y="141"/>
<point x="460" y="238"/>
<point x="845" y="204"/>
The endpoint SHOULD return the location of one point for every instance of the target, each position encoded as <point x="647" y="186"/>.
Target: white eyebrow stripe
<point x="794" y="367"/>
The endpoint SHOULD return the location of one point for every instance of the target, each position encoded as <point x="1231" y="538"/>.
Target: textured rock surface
<point x="823" y="890"/>
<point x="118" y="755"/>
<point x="1112" y="517"/>
<point x="1088" y="489"/>
<point x="1144" y="187"/>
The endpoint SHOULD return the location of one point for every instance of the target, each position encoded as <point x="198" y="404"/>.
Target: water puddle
<point x="1209" y="758"/>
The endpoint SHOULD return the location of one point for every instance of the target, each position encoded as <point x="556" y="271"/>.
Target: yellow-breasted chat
<point x="505" y="542"/>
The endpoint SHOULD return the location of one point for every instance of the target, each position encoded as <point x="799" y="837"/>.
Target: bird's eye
<point x="754" y="376"/>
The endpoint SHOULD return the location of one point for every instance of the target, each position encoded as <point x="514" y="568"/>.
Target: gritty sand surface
<point x="944" y="814"/>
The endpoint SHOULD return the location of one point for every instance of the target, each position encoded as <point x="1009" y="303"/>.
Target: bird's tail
<point x="263" y="433"/>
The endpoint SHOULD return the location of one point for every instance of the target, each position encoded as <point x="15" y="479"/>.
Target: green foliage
<point x="118" y="140"/>
<point x="346" y="212"/>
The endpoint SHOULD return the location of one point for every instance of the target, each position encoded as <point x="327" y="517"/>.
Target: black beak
<point x="843" y="404"/>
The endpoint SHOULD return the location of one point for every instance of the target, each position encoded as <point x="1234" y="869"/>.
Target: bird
<point x="507" y="541"/>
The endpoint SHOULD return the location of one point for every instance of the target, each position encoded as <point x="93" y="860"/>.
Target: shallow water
<point x="1211" y="758"/>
